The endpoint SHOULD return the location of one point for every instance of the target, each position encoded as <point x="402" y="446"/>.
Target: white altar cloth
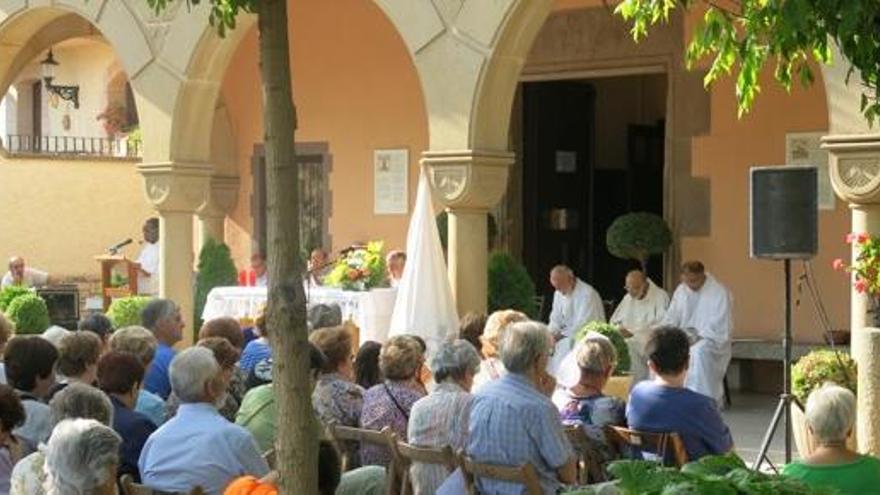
<point x="370" y="311"/>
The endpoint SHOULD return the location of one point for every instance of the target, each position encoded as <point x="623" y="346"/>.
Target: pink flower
<point x="863" y="238"/>
<point x="850" y="238"/>
<point x="861" y="286"/>
<point x="838" y="264"/>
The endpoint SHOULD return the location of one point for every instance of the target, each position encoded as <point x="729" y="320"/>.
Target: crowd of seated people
<point x="102" y="403"/>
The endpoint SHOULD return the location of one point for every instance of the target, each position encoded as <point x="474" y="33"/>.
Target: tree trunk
<point x="297" y="444"/>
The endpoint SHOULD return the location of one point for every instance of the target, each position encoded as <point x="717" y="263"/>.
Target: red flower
<point x="861" y="286"/>
<point x="838" y="264"/>
<point x="863" y="238"/>
<point x="850" y="238"/>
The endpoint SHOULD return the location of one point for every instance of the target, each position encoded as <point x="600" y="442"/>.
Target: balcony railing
<point x="72" y="146"/>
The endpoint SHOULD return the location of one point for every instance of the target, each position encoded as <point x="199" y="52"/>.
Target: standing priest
<point x="701" y="306"/>
<point x="641" y="310"/>
<point x="575" y="303"/>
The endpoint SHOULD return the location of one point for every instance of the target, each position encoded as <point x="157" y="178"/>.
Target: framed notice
<point x="804" y="148"/>
<point x="390" y="181"/>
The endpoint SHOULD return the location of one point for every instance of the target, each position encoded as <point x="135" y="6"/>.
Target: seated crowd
<point x="103" y="403"/>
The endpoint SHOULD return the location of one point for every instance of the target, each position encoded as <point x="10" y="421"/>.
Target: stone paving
<point x="748" y="419"/>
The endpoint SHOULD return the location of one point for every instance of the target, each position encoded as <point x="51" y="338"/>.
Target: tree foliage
<point x="743" y="36"/>
<point x="637" y="236"/>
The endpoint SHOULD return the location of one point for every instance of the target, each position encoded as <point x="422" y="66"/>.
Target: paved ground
<point x="748" y="419"/>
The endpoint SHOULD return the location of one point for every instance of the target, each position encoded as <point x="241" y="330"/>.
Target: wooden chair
<point x="524" y="474"/>
<point x="589" y="462"/>
<point x="339" y="435"/>
<point x="408" y="454"/>
<point x="129" y="487"/>
<point x="270" y="457"/>
<point x="623" y="440"/>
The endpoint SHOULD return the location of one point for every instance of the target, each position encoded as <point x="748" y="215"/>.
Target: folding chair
<point x="524" y="474"/>
<point x="410" y="454"/>
<point x="386" y="438"/>
<point x="589" y="462"/>
<point x="129" y="487"/>
<point x="659" y="443"/>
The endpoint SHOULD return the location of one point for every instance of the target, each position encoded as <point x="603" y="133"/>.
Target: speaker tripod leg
<point x="781" y="408"/>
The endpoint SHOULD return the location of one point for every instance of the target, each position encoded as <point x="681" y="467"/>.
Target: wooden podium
<point x="109" y="291"/>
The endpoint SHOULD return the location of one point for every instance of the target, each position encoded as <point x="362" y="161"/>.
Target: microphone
<point x="115" y="249"/>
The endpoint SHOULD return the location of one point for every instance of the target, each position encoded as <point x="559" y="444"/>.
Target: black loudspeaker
<point x="784" y="218"/>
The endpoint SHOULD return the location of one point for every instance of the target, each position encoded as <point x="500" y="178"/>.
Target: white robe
<point x="31" y="278"/>
<point x="640" y="317"/>
<point x="569" y="314"/>
<point x="706" y="313"/>
<point x="149" y="261"/>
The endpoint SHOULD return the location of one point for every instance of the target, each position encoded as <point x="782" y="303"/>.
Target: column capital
<point x="222" y="196"/>
<point x="176" y="186"/>
<point x="854" y="165"/>
<point x="468" y="179"/>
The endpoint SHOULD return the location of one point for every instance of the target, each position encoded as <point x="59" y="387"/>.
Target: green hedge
<point x="216" y="269"/>
<point x="29" y="314"/>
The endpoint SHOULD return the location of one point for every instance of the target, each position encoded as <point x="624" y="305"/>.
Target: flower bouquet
<point x="865" y="269"/>
<point x="360" y="269"/>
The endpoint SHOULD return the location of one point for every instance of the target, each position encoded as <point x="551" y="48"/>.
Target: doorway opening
<point x="593" y="149"/>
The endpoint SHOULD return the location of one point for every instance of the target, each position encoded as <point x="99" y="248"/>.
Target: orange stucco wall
<point x="724" y="156"/>
<point x="358" y="92"/>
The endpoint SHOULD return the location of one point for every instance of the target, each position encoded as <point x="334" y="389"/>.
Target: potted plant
<point x="361" y="269"/>
<point x="29" y="314"/>
<point x="9" y="293"/>
<point x="126" y="311"/>
<point x="621" y="381"/>
<point x="810" y="373"/>
<point x="638" y="236"/>
<point x="510" y="286"/>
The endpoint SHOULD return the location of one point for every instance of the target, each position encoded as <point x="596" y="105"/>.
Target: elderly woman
<point x="11" y="416"/>
<point x="142" y="344"/>
<point x="78" y="354"/>
<point x="440" y="419"/>
<point x="336" y="397"/>
<point x="99" y="325"/>
<point x="584" y="403"/>
<point x="81" y="458"/>
<point x="389" y="403"/>
<point x="492" y="368"/>
<point x="831" y="412"/>
<point x="75" y="401"/>
<point x="226" y="356"/>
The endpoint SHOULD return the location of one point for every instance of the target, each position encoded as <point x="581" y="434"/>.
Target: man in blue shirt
<point x="198" y="446"/>
<point x="163" y="318"/>
<point x="513" y="421"/>
<point x="665" y="405"/>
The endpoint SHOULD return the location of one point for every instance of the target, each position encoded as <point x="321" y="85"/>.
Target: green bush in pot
<point x="126" y="311"/>
<point x="11" y="292"/>
<point x="820" y="366"/>
<point x="616" y="338"/>
<point x="29" y="314"/>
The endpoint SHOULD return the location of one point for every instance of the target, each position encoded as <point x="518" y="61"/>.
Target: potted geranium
<point x="621" y="381"/>
<point x="865" y="270"/>
<point x="811" y="372"/>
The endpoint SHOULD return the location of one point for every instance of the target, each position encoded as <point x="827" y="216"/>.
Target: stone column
<point x="221" y="198"/>
<point x="855" y="175"/>
<point x="177" y="190"/>
<point x="468" y="183"/>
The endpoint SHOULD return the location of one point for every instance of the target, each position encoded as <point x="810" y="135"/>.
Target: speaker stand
<point x="783" y="407"/>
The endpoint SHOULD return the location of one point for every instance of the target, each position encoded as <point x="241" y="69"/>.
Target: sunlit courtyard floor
<point x="748" y="419"/>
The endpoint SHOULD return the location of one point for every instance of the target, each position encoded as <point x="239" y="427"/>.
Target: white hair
<point x="562" y="269"/>
<point x="831" y="412"/>
<point x="454" y="359"/>
<point x="190" y="371"/>
<point x="523" y="343"/>
<point x="81" y="456"/>
<point x="78" y="400"/>
<point x="54" y="334"/>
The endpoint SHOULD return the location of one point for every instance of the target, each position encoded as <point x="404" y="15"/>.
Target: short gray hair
<point x="454" y="359"/>
<point x="78" y="400"/>
<point x="157" y="310"/>
<point x="831" y="412"/>
<point x="190" y="371"/>
<point x="523" y="343"/>
<point x="135" y="340"/>
<point x="563" y="269"/>
<point x="595" y="356"/>
<point x="81" y="456"/>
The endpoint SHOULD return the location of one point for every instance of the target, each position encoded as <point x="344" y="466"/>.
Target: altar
<point x="369" y="310"/>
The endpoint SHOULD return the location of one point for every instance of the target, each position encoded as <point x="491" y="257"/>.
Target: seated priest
<point x="22" y="275"/>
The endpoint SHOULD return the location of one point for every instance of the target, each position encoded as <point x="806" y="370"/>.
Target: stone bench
<point x="756" y="364"/>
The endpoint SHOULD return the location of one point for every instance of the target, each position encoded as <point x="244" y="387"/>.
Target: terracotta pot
<point x="802" y="438"/>
<point x="618" y="386"/>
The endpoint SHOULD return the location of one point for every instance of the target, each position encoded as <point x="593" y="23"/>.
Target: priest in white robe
<point x="148" y="272"/>
<point x="641" y="310"/>
<point x="701" y="306"/>
<point x="575" y="303"/>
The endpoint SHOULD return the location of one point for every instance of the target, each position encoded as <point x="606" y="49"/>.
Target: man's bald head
<point x="562" y="279"/>
<point x="636" y="284"/>
<point x="16" y="268"/>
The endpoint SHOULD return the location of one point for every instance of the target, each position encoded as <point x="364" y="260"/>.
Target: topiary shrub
<point x="510" y="286"/>
<point x="216" y="269"/>
<point x="126" y="311"/>
<point x="637" y="236"/>
<point x="29" y="314"/>
<point x="616" y="338"/>
<point x="820" y="366"/>
<point x="11" y="292"/>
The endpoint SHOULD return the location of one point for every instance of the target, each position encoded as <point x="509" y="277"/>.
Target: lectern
<point x="119" y="277"/>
